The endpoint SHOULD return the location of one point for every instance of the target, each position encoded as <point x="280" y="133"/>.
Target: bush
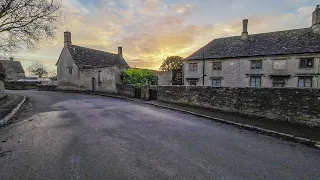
<point x="139" y="77"/>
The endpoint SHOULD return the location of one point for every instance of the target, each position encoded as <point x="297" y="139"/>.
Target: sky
<point x="151" y="30"/>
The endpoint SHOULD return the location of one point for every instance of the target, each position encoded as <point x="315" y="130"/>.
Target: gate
<point x="137" y="93"/>
<point x="153" y="94"/>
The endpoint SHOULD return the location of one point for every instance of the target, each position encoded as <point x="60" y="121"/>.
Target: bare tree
<point x="38" y="69"/>
<point x="24" y="23"/>
<point x="53" y="73"/>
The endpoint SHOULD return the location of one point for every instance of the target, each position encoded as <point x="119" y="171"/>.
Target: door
<point x="93" y="84"/>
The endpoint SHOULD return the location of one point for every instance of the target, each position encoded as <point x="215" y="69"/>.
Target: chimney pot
<point x="120" y="50"/>
<point x="67" y="38"/>
<point x="316" y="20"/>
<point x="245" y="29"/>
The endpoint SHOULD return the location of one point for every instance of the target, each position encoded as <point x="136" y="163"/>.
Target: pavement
<point x="75" y="136"/>
<point x="312" y="133"/>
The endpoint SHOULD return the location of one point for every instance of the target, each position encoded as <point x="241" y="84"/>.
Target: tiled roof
<point x="91" y="58"/>
<point x="15" y="65"/>
<point x="298" y="41"/>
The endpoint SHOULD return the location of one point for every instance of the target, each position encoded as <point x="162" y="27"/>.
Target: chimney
<point x="245" y="29"/>
<point x="316" y="20"/>
<point x="67" y="38"/>
<point x="11" y="59"/>
<point x="120" y="50"/>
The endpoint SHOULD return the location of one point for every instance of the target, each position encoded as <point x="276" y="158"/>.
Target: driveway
<point x="73" y="136"/>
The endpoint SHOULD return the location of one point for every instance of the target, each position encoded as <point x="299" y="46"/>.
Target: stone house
<point x="14" y="69"/>
<point x="164" y="77"/>
<point x="85" y="69"/>
<point x="288" y="58"/>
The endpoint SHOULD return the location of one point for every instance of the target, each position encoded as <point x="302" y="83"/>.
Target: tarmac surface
<point x="74" y="136"/>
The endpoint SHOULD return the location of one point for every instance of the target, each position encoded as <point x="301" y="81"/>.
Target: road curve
<point x="73" y="136"/>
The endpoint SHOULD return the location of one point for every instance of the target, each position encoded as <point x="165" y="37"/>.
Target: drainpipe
<point x="203" y="65"/>
<point x="318" y="72"/>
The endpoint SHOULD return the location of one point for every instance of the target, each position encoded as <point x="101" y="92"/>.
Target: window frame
<point x="304" y="81"/>
<point x="219" y="66"/>
<point x="217" y="79"/>
<point x="99" y="77"/>
<point x="192" y="80"/>
<point x="250" y="82"/>
<point x="277" y="79"/>
<point x="70" y="70"/>
<point x="306" y="63"/>
<point x="193" y="67"/>
<point x="256" y="62"/>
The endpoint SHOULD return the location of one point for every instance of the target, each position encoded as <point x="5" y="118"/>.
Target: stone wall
<point x="126" y="89"/>
<point x="47" y="88"/>
<point x="16" y="85"/>
<point x="1" y="89"/>
<point x="301" y="106"/>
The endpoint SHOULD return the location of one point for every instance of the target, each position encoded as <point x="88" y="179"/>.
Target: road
<point x="73" y="136"/>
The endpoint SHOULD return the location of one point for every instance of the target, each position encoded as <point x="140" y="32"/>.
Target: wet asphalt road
<point x="73" y="136"/>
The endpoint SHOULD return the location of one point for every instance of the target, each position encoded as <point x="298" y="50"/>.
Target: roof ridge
<point x="94" y="49"/>
<point x="271" y="32"/>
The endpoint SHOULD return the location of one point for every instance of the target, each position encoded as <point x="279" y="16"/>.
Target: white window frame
<point x="216" y="79"/>
<point x="255" y="77"/>
<point x="307" y="58"/>
<point x="193" y="67"/>
<point x="256" y="60"/>
<point x="196" y="82"/>
<point x="303" y="78"/>
<point x="219" y="65"/>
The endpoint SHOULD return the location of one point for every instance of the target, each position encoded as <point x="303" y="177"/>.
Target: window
<point x="193" y="67"/>
<point x="216" y="65"/>
<point x="192" y="82"/>
<point x="70" y="70"/>
<point x="279" y="64"/>
<point x="256" y="64"/>
<point x="99" y="77"/>
<point x="255" y="81"/>
<point x="278" y="81"/>
<point x="306" y="62"/>
<point x="216" y="82"/>
<point x="305" y="82"/>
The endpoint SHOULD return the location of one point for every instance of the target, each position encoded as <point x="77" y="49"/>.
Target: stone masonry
<point x="300" y="106"/>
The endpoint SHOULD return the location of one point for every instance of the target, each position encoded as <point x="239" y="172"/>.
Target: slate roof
<point x="91" y="58"/>
<point x="15" y="65"/>
<point x="298" y="41"/>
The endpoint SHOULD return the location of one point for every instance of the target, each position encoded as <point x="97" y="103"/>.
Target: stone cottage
<point x="85" y="69"/>
<point x="288" y="58"/>
<point x="14" y="69"/>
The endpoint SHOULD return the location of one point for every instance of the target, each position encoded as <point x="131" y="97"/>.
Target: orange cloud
<point x="150" y="30"/>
